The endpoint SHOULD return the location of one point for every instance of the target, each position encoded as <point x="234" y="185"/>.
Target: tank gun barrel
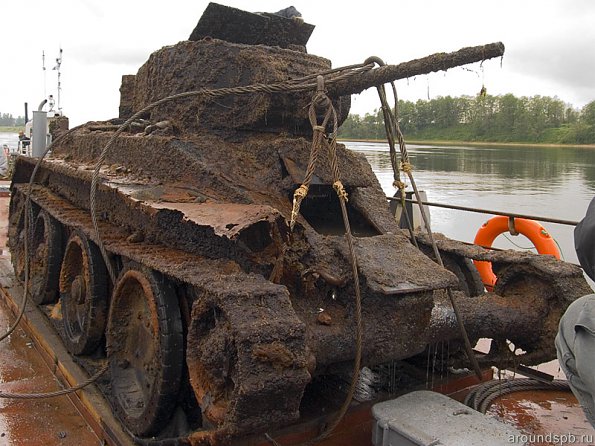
<point x="425" y="65"/>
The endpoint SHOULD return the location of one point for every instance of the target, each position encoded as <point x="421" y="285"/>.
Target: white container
<point x="39" y="134"/>
<point x="425" y="418"/>
<point x="413" y="211"/>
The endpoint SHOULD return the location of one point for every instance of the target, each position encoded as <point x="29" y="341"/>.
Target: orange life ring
<point x="495" y="226"/>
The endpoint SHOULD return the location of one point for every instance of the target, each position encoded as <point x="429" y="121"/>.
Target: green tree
<point x="588" y="114"/>
<point x="6" y="119"/>
<point x="483" y="118"/>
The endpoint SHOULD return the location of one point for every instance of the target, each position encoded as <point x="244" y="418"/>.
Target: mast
<point x="45" y="89"/>
<point x="57" y="67"/>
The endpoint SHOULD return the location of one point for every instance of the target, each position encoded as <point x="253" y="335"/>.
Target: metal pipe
<point x="487" y="211"/>
<point x="40" y="131"/>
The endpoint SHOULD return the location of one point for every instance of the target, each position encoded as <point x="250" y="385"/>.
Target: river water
<point x="11" y="139"/>
<point x="557" y="182"/>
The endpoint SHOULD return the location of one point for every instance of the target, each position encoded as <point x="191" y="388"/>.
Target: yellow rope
<point x="321" y="101"/>
<point x="338" y="186"/>
<point x="393" y="130"/>
<point x="299" y="194"/>
<point x="399" y="185"/>
<point x="406" y="166"/>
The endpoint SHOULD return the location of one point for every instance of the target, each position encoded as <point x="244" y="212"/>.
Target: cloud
<point x="563" y="59"/>
<point x="560" y="56"/>
<point x="95" y="53"/>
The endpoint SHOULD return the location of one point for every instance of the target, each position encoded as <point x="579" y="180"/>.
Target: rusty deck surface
<point x="31" y="363"/>
<point x="45" y="366"/>
<point x="22" y="370"/>
<point x="544" y="416"/>
<point x="54" y="421"/>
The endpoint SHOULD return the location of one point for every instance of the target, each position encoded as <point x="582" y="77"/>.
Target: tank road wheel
<point x="83" y="291"/>
<point x="16" y="232"/>
<point x="246" y="356"/>
<point x="46" y="257"/>
<point x="145" y="350"/>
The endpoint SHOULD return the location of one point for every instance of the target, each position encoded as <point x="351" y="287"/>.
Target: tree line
<point x="7" y="120"/>
<point x="505" y="118"/>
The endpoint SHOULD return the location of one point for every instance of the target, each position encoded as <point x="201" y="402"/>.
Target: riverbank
<point x="440" y="142"/>
<point x="15" y="129"/>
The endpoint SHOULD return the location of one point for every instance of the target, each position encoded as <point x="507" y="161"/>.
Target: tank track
<point x="266" y="359"/>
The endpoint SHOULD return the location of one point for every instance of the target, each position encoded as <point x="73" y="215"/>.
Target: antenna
<point x="57" y="67"/>
<point x="45" y="89"/>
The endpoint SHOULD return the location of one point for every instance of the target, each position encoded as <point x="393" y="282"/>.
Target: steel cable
<point x="483" y="396"/>
<point x="35" y="396"/>
<point x="322" y="101"/>
<point x="300" y="84"/>
<point x="394" y="130"/>
<point x="26" y="223"/>
<point x="28" y="211"/>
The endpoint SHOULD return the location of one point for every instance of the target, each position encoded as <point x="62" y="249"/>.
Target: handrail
<point x="487" y="211"/>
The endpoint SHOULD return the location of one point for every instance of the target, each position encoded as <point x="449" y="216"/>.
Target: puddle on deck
<point x="547" y="418"/>
<point x="44" y="422"/>
<point x="53" y="421"/>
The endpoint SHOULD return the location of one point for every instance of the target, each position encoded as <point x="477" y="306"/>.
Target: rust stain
<point x="324" y="318"/>
<point x="540" y="413"/>
<point x="34" y="422"/>
<point x="275" y="353"/>
<point x="204" y="199"/>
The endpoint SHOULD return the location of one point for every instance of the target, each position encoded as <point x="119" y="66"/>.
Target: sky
<point x="550" y="46"/>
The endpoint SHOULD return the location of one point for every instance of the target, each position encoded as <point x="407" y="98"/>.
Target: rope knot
<point x="399" y="185"/>
<point x="318" y="128"/>
<point x="299" y="194"/>
<point x="338" y="186"/>
<point x="406" y="166"/>
<point x="320" y="87"/>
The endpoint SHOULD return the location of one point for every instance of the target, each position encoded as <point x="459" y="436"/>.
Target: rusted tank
<point x="221" y="321"/>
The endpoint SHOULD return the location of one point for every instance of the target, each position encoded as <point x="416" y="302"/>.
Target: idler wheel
<point x="145" y="350"/>
<point x="83" y="291"/>
<point x="536" y="301"/>
<point x="45" y="259"/>
<point x="523" y="281"/>
<point x="469" y="279"/>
